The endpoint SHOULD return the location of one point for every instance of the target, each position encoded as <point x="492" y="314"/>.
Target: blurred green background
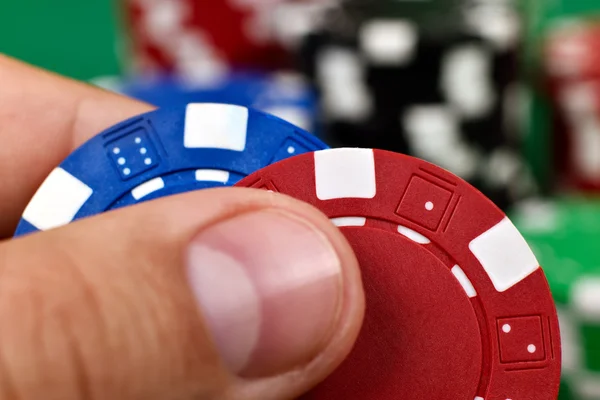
<point x="77" y="38"/>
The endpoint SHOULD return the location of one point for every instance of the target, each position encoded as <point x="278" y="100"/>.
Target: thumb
<point x="217" y="294"/>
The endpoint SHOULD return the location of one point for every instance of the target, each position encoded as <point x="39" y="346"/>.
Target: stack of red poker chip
<point x="205" y="38"/>
<point x="572" y="60"/>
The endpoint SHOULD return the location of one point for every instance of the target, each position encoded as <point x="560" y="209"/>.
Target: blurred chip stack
<point x="206" y="38"/>
<point x="200" y="38"/>
<point x="227" y="51"/>
<point x="438" y="80"/>
<point x="435" y="79"/>
<point x="564" y="236"/>
<point x="573" y="67"/>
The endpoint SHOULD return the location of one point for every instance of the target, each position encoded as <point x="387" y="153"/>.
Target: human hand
<point x="217" y="294"/>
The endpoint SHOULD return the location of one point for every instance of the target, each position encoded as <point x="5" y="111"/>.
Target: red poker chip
<point x="457" y="304"/>
<point x="571" y="52"/>
<point x="168" y="34"/>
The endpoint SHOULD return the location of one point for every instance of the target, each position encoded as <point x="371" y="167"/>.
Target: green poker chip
<point x="565" y="391"/>
<point x="564" y="234"/>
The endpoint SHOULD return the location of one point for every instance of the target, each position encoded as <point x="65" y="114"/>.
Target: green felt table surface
<point x="77" y="38"/>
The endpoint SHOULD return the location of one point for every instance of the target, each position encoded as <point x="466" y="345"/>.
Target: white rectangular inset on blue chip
<point x="212" y="175"/>
<point x="146" y="188"/>
<point x="217" y="126"/>
<point x="57" y="201"/>
<point x="345" y="173"/>
<point x="504" y="255"/>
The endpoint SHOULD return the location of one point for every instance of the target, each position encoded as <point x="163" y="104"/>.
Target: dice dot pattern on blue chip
<point x="164" y="152"/>
<point x="132" y="154"/>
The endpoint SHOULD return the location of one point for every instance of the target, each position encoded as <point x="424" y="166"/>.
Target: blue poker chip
<point x="164" y="152"/>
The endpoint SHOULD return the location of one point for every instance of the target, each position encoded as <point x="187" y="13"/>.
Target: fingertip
<point x="230" y="293"/>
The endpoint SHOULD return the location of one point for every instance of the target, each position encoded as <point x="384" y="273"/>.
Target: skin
<point x="101" y="308"/>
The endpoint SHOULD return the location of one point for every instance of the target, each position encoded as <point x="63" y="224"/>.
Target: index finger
<point x="43" y="118"/>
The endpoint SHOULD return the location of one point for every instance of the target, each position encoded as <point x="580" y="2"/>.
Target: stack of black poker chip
<point x="440" y="84"/>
